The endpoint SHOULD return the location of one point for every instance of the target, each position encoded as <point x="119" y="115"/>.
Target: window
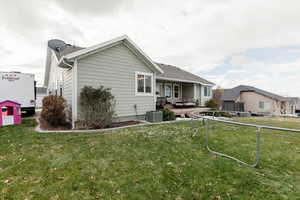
<point x="207" y="91"/>
<point x="261" y="105"/>
<point x="176" y="91"/>
<point x="7" y="111"/>
<point x="264" y="105"/>
<point x="148" y="84"/>
<point x="140" y="83"/>
<point x="144" y="83"/>
<point x="168" y="91"/>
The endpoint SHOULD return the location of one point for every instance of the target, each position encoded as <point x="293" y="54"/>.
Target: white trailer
<point x="19" y="87"/>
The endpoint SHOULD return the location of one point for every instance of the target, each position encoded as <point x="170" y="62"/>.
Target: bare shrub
<point x="54" y="110"/>
<point x="97" y="107"/>
<point x="217" y="96"/>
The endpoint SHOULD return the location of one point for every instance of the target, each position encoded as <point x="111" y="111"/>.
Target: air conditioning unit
<point x="154" y="116"/>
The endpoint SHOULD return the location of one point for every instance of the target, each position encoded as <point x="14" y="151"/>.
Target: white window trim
<point x="165" y="88"/>
<point x="179" y="94"/>
<point x="136" y="84"/>
<point x="209" y="91"/>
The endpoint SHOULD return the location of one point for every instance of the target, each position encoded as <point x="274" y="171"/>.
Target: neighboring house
<point x="254" y="100"/>
<point x="41" y="92"/>
<point x="294" y="105"/>
<point x="135" y="80"/>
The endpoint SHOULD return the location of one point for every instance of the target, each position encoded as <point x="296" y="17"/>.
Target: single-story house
<point x="134" y="78"/>
<point x="254" y="100"/>
<point x="294" y="105"/>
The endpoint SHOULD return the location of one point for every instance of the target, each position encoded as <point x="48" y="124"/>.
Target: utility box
<point x="154" y="116"/>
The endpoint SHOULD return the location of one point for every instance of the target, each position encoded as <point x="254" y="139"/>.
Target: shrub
<point x="54" y="110"/>
<point x="219" y="113"/>
<point x="97" y="107"/>
<point x="211" y="104"/>
<point x="226" y="114"/>
<point x="168" y="115"/>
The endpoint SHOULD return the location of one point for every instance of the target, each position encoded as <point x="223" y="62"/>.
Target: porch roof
<point x="173" y="73"/>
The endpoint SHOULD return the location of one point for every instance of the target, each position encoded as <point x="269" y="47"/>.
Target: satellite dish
<point x="56" y="45"/>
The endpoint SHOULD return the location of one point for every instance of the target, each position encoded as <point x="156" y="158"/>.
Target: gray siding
<point x="67" y="86"/>
<point x="203" y="98"/>
<point x="115" y="68"/>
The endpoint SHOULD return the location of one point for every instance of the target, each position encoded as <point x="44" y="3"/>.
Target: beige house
<point x="255" y="100"/>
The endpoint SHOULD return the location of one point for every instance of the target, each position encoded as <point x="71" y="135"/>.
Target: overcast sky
<point x="229" y="42"/>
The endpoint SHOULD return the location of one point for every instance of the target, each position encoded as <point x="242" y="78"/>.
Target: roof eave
<point x="183" y="80"/>
<point x="122" y="39"/>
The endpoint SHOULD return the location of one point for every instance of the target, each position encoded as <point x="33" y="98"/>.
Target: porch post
<point x="195" y="91"/>
<point x="181" y="90"/>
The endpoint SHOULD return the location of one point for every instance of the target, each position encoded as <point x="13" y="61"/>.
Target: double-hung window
<point x="264" y="105"/>
<point x="144" y="84"/>
<point x="207" y="91"/>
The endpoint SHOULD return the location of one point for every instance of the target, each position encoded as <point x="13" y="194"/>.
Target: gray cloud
<point x="197" y="34"/>
<point x="22" y="15"/>
<point x="94" y="7"/>
<point x="4" y="51"/>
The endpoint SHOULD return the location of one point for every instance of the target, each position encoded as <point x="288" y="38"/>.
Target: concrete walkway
<point x="188" y="111"/>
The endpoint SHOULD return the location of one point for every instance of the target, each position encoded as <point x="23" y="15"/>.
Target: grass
<point x="154" y="162"/>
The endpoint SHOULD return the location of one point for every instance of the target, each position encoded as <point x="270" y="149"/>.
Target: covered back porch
<point x="177" y="93"/>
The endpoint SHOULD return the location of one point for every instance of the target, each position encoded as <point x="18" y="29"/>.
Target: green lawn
<point x="151" y="162"/>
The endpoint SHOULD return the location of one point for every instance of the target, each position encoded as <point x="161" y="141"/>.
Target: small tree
<point x="217" y="96"/>
<point x="54" y="110"/>
<point x="97" y="107"/>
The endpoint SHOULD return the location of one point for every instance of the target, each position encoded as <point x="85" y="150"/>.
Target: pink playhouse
<point x="10" y="113"/>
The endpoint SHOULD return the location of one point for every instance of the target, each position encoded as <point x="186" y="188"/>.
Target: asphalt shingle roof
<point x="293" y="100"/>
<point x="173" y="72"/>
<point x="170" y="72"/>
<point x="234" y="93"/>
<point x="67" y="50"/>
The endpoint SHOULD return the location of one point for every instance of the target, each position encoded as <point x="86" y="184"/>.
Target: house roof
<point x="293" y="100"/>
<point x="69" y="52"/>
<point x="234" y="93"/>
<point x="176" y="73"/>
<point x="83" y="52"/>
<point x="9" y="101"/>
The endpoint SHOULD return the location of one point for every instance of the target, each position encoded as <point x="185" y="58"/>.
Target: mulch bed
<point x="45" y="126"/>
<point x="126" y="123"/>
